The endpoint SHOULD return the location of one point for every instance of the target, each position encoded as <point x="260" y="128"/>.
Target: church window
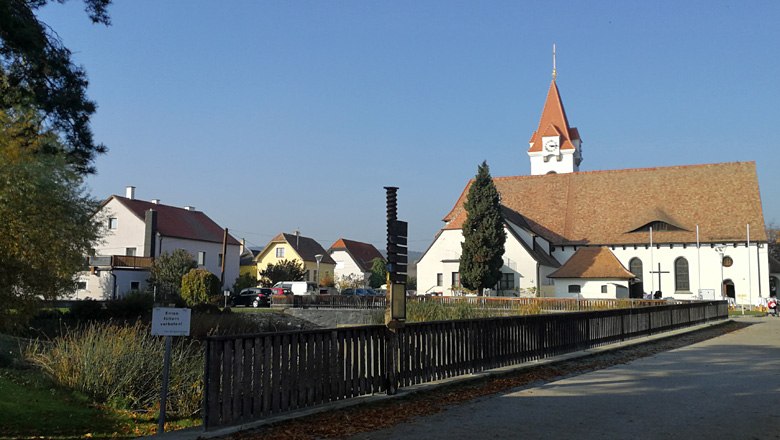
<point x="603" y="288"/>
<point x="681" y="283"/>
<point x="574" y="288"/>
<point x="635" y="266"/>
<point x="507" y="281"/>
<point x="456" y="279"/>
<point x="728" y="261"/>
<point x="439" y="279"/>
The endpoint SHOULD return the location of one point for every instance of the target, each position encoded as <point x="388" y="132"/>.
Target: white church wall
<point x="704" y="265"/>
<point x="590" y="288"/>
<point x="565" y="165"/>
<point x="446" y="247"/>
<point x="443" y="258"/>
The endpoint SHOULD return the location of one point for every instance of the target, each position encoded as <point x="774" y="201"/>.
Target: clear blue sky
<point x="276" y="115"/>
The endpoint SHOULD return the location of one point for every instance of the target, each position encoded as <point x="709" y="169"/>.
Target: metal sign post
<point x="168" y="322"/>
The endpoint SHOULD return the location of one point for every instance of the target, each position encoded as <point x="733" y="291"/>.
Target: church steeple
<point x="554" y="146"/>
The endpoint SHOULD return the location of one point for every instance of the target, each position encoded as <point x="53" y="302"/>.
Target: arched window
<point x="681" y="283"/>
<point x="635" y="266"/>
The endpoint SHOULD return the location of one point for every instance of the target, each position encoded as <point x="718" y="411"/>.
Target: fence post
<point x="206" y="386"/>
<point x="391" y="361"/>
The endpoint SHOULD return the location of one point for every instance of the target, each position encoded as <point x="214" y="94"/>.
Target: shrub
<point x="199" y="286"/>
<point x="87" y="310"/>
<point x="132" y="306"/>
<point x="121" y="366"/>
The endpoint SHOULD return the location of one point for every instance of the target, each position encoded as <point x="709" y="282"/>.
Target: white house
<point x="685" y="231"/>
<point x="353" y="259"/>
<point x="139" y="231"/>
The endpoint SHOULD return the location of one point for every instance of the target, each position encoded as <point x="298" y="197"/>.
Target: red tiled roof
<point x="363" y="253"/>
<point x="553" y="114"/>
<point x="178" y="222"/>
<point x="593" y="262"/>
<point x="604" y="207"/>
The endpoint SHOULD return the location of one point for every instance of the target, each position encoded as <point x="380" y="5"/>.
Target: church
<point x="683" y="232"/>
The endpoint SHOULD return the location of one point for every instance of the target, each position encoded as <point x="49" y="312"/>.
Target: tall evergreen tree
<point x="483" y="232"/>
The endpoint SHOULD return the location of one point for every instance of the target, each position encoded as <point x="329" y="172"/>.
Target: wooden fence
<point x="254" y="376"/>
<point x="488" y="302"/>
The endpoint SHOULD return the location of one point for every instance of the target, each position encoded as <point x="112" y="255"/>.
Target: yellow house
<point x="247" y="263"/>
<point x="296" y="247"/>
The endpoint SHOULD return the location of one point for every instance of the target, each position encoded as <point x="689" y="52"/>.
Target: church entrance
<point x="728" y="289"/>
<point x="636" y="289"/>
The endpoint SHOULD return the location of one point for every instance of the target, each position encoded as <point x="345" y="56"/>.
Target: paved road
<point x="723" y="388"/>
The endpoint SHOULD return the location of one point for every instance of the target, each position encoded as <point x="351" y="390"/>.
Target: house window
<point x="280" y="252"/>
<point x="507" y="281"/>
<point x="574" y="288"/>
<point x="603" y="288"/>
<point x="130" y="252"/>
<point x="681" y="283"/>
<point x="439" y="279"/>
<point x="81" y="285"/>
<point x="112" y="223"/>
<point x="635" y="266"/>
<point x="456" y="279"/>
<point x="135" y="285"/>
<point x="219" y="260"/>
<point x="201" y="258"/>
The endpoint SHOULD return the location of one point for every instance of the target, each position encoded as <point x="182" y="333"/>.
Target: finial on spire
<point x="555" y="72"/>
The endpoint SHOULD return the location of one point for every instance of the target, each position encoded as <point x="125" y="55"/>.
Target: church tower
<point x="554" y="147"/>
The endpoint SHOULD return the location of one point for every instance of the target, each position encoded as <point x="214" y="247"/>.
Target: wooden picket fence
<point x="250" y="377"/>
<point x="486" y="302"/>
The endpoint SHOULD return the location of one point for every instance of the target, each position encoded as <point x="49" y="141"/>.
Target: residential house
<point x="353" y="259"/>
<point x="316" y="261"/>
<point x="139" y="231"/>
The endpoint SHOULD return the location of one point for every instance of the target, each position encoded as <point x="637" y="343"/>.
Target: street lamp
<point x="318" y="257"/>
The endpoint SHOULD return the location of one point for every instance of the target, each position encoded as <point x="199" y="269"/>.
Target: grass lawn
<point x="31" y="406"/>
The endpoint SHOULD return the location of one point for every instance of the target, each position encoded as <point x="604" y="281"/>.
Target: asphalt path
<point x="723" y="388"/>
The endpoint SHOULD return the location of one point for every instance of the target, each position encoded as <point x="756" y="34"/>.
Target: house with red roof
<point x="354" y="260"/>
<point x="138" y="231"/>
<point x="686" y="232"/>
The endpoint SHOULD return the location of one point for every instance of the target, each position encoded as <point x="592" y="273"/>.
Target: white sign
<point x="707" y="294"/>
<point x="169" y="321"/>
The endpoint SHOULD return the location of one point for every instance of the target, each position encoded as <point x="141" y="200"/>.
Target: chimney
<point x="130" y="192"/>
<point x="189" y="208"/>
<point x="150" y="233"/>
<point x="156" y="201"/>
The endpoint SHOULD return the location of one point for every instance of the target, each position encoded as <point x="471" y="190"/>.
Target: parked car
<point x="360" y="291"/>
<point x="253" y="297"/>
<point x="298" y="287"/>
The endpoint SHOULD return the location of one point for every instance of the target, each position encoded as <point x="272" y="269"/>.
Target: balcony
<point x="121" y="261"/>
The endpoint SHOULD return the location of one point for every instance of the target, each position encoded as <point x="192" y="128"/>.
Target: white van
<point x="298" y="287"/>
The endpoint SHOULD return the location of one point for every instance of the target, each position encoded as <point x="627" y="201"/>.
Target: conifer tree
<point x="483" y="232"/>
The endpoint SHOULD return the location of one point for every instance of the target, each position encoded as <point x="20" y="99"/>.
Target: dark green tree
<point x="37" y="73"/>
<point x="243" y="281"/>
<point x="168" y="270"/>
<point x="378" y="273"/>
<point x="483" y="232"/>
<point x="200" y="286"/>
<point x="284" y="270"/>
